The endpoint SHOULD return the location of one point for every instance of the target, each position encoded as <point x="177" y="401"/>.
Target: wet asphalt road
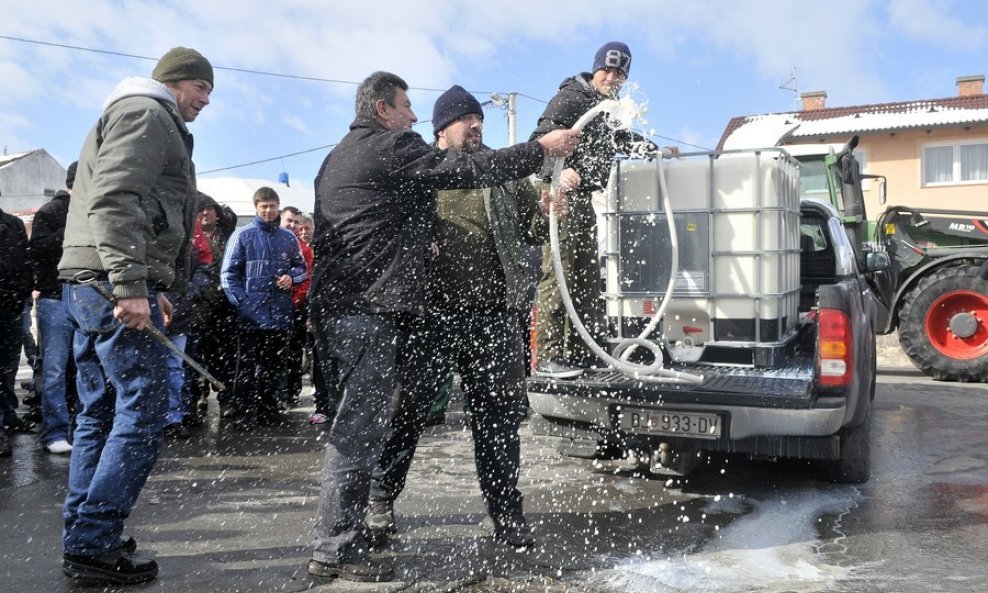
<point x="225" y="511"/>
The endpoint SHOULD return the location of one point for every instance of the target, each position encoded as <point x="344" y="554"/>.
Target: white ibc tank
<point x="737" y="221"/>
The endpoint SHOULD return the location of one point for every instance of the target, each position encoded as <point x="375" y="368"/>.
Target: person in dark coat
<point x="375" y="206"/>
<point x="561" y="351"/>
<point x="214" y="324"/>
<point x="15" y="289"/>
<point x="477" y="291"/>
<point x="189" y="309"/>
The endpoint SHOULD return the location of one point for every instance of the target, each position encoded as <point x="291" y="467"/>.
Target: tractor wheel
<point x="943" y="325"/>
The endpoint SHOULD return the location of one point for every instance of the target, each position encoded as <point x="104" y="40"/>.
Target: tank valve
<point x="665" y="454"/>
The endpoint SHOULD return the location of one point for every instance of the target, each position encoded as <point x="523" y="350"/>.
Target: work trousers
<point x="556" y="337"/>
<point x="486" y="347"/>
<point x="365" y="348"/>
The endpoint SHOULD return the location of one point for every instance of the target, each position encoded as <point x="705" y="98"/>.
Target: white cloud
<point x="930" y="21"/>
<point x="296" y="123"/>
<point x="836" y="46"/>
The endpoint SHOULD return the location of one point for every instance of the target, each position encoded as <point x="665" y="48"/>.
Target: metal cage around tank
<point x="737" y="221"/>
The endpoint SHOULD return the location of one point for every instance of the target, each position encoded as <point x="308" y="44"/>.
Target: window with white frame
<point x="956" y="163"/>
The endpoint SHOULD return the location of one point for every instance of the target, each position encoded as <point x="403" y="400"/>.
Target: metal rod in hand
<point x="155" y="333"/>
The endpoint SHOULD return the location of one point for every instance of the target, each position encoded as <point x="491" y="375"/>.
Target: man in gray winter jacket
<point x="129" y="228"/>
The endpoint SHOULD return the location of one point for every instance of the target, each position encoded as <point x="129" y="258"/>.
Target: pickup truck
<point x="806" y="394"/>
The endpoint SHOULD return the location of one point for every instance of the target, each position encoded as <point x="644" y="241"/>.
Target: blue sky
<point x="697" y="63"/>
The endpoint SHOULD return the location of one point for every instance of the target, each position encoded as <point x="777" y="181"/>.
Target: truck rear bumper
<point x="741" y="422"/>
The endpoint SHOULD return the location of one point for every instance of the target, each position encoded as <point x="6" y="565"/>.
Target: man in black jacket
<point x="375" y="206"/>
<point x="54" y="328"/>
<point x="477" y="291"/>
<point x="561" y="352"/>
<point x="15" y="289"/>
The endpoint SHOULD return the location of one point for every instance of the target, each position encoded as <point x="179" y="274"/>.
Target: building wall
<point x="898" y="156"/>
<point x="28" y="182"/>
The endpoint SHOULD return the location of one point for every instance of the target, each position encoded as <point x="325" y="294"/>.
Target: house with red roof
<point x="933" y="152"/>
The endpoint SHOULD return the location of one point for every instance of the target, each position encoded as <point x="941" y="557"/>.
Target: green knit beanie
<point x="182" y="63"/>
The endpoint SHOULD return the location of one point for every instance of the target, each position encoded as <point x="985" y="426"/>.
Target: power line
<point x="227" y="68"/>
<point x="275" y="75"/>
<point x="532" y="98"/>
<point x="268" y="160"/>
<point x="678" y="141"/>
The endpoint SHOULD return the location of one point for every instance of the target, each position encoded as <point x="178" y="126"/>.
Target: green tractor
<point x="934" y="289"/>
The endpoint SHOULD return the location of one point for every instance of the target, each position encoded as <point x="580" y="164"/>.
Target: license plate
<point x="671" y="423"/>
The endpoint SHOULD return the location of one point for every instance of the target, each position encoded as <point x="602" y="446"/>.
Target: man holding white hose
<point x="376" y="204"/>
<point x="561" y="352"/>
<point x="477" y="291"/>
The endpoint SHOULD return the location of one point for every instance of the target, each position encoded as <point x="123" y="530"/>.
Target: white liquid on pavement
<point x="775" y="548"/>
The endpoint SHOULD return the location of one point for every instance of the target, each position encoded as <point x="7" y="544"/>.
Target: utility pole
<point x="512" y="119"/>
<point x="508" y="103"/>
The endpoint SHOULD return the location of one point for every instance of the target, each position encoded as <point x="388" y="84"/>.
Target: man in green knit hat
<point x="129" y="228"/>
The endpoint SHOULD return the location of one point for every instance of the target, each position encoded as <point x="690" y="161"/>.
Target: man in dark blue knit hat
<point x="561" y="352"/>
<point x="477" y="291"/>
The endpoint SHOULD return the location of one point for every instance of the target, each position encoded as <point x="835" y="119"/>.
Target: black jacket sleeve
<point x="423" y="167"/>
<point x="47" y="233"/>
<point x="15" y="263"/>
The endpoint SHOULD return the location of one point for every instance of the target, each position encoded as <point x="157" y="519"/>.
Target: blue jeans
<point x="365" y="348"/>
<point x="176" y="380"/>
<point x="123" y="390"/>
<point x="55" y="341"/>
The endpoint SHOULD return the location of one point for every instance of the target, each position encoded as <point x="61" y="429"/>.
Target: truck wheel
<point x="942" y="325"/>
<point x="854" y="464"/>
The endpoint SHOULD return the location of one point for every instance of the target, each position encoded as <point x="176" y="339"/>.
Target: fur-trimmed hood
<point x="135" y="86"/>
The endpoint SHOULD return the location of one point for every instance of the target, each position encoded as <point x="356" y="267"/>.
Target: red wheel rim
<point x="938" y="324"/>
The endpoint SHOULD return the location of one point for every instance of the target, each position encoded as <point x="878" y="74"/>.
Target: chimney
<point x="814" y="100"/>
<point x="969" y="86"/>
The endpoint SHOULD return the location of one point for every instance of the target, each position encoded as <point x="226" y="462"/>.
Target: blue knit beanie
<point x="613" y="54"/>
<point x="452" y="105"/>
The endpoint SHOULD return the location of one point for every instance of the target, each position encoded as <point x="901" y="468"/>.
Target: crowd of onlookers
<point x="259" y="348"/>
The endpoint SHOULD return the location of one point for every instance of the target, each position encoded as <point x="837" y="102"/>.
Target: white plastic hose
<point x="654" y="371"/>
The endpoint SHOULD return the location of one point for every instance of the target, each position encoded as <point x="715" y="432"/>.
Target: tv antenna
<point x="790" y="85"/>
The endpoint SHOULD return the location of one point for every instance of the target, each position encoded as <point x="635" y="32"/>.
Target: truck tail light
<point x="836" y="362"/>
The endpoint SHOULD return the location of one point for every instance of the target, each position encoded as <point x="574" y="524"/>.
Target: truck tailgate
<point x="789" y="386"/>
